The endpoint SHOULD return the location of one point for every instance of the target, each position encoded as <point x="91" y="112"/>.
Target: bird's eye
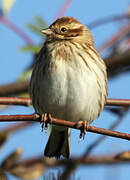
<point x="63" y="29"/>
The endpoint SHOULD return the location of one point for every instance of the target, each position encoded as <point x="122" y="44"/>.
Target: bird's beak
<point x="47" y="31"/>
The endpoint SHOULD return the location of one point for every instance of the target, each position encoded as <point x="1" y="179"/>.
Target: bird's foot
<point x="83" y="128"/>
<point x="45" y="119"/>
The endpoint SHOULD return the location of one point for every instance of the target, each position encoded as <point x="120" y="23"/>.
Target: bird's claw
<point x="84" y="129"/>
<point x="45" y="119"/>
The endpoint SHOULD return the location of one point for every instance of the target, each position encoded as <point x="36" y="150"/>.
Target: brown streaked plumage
<point x="69" y="80"/>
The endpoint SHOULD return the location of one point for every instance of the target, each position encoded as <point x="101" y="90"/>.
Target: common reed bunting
<point x="69" y="80"/>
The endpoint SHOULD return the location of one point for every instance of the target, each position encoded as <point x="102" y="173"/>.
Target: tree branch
<point x="27" y="101"/>
<point x="117" y="102"/>
<point x="117" y="64"/>
<point x="101" y="138"/>
<point x="123" y="157"/>
<point x="16" y="29"/>
<point x="114" y="39"/>
<point x="63" y="9"/>
<point x="15" y="101"/>
<point x="78" y="125"/>
<point x="102" y="21"/>
<point x="14" y="88"/>
<point x="39" y="164"/>
<point x="16" y="127"/>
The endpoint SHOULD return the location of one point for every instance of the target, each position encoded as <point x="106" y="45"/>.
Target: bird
<point x="69" y="80"/>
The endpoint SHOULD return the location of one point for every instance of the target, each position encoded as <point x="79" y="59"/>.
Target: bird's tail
<point x="58" y="144"/>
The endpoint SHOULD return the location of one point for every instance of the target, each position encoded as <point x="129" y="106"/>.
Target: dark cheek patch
<point x="74" y="32"/>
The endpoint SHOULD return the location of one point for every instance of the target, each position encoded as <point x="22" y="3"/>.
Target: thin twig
<point x="15" y="101"/>
<point x="114" y="39"/>
<point x="16" y="29"/>
<point x="43" y="163"/>
<point x="63" y="9"/>
<point x="14" y="88"/>
<point x="71" y="168"/>
<point x="100" y="139"/>
<point x="69" y="124"/>
<point x="16" y="127"/>
<point x="117" y="64"/>
<point x="123" y="157"/>
<point x="102" y="21"/>
<point x="27" y="101"/>
<point x="118" y="102"/>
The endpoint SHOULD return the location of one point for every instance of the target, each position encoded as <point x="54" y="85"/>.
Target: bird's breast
<point x="70" y="88"/>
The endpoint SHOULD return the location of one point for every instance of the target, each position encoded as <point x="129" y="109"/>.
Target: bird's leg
<point x="84" y="128"/>
<point x="45" y="119"/>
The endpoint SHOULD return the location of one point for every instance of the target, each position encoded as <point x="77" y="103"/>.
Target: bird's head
<point x="68" y="28"/>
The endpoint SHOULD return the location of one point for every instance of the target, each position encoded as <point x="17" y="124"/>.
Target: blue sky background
<point x="13" y="62"/>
